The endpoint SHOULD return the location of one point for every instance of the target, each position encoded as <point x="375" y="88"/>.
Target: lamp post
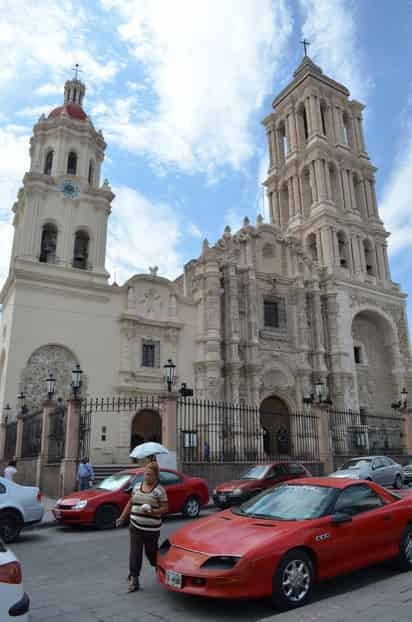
<point x="76" y="380"/>
<point x="22" y="401"/>
<point x="7" y="410"/>
<point x="319" y="391"/>
<point x="170" y="369"/>
<point x="50" y="386"/>
<point x="404" y="398"/>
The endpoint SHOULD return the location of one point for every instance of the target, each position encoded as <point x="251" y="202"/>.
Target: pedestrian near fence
<point x="85" y="474"/>
<point x="147" y="504"/>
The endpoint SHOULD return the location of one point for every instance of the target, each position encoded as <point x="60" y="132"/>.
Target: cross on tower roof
<point x="76" y="70"/>
<point x="305" y="44"/>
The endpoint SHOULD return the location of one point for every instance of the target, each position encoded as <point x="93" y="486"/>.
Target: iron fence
<point x="31" y="441"/>
<point x="221" y="432"/>
<point x="356" y="433"/>
<point x="10" y="442"/>
<point x="57" y="434"/>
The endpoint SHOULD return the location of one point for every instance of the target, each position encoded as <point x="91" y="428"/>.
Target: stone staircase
<point x="105" y="470"/>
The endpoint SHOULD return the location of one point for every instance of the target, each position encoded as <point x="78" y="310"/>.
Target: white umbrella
<point x="144" y="450"/>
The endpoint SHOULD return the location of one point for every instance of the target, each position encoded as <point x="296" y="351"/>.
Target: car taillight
<point x="10" y="573"/>
<point x="39" y="495"/>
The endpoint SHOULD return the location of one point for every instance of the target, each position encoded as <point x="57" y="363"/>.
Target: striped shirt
<point x="144" y="520"/>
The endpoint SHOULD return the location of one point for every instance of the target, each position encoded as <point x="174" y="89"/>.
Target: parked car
<point x="101" y="506"/>
<point x="379" y="469"/>
<point x="256" y="479"/>
<point x="281" y="542"/>
<point x="14" y="602"/>
<point x="407" y="474"/>
<point x="20" y="506"/>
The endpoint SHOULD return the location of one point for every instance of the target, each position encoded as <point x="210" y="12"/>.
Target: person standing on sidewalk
<point x="85" y="474"/>
<point x="147" y="504"/>
<point x="10" y="470"/>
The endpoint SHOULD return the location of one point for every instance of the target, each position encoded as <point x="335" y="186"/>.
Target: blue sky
<point x="179" y="89"/>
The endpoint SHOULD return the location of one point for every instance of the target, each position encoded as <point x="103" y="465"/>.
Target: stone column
<point x="19" y="437"/>
<point x="346" y="191"/>
<point x="335" y="246"/>
<point x="319" y="167"/>
<point x="355" y="249"/>
<point x="168" y="409"/>
<point x="313" y="100"/>
<point x="328" y="182"/>
<point x="338" y="124"/>
<point x="314" y="185"/>
<point x="291" y="206"/>
<point x="48" y="408"/>
<point x="325" y="449"/>
<point x="270" y="145"/>
<point x="362" y="255"/>
<point x="374" y="200"/>
<point x="68" y="467"/>
<point x="296" y="196"/>
<point x="308" y="116"/>
<point x="360" y="133"/>
<point x="386" y="261"/>
<point x="292" y="130"/>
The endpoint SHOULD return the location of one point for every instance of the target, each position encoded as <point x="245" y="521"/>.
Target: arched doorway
<point x="374" y="360"/>
<point x="146" y="426"/>
<point x="275" y="421"/>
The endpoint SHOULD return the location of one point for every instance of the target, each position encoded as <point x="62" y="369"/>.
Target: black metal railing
<point x="10" y="442"/>
<point x="209" y="431"/>
<point x="57" y="434"/>
<point x="356" y="433"/>
<point x="31" y="441"/>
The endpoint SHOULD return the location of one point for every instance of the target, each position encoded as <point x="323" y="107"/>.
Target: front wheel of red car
<point x="293" y="580"/>
<point x="191" y="508"/>
<point x="405" y="549"/>
<point x="106" y="516"/>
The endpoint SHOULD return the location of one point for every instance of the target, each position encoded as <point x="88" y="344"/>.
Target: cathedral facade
<point x="269" y="315"/>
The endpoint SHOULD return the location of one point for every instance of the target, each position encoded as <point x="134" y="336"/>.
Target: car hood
<point x="84" y="495"/>
<point x="226" y="533"/>
<point x="238" y="483"/>
<point x="350" y="473"/>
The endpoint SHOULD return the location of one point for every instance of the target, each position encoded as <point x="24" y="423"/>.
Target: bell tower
<point x="321" y="183"/>
<point x="61" y="213"/>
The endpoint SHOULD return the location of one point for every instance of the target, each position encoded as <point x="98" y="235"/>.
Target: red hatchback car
<point x="101" y="506"/>
<point x="255" y="480"/>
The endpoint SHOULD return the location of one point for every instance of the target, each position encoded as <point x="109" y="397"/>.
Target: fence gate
<point x="32" y="428"/>
<point x="11" y="440"/>
<point x="221" y="432"/>
<point x="57" y="433"/>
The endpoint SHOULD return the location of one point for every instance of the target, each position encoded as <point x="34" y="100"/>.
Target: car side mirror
<point x="128" y="489"/>
<point x="341" y="517"/>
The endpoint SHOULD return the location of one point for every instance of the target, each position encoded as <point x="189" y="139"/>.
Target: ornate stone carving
<point x="149" y="302"/>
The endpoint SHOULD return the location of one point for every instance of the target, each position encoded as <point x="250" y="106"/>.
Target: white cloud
<point x="48" y="37"/>
<point x="49" y="89"/>
<point x="142" y="234"/>
<point x="194" y="231"/>
<point x="35" y="111"/>
<point x="210" y="64"/>
<point x="6" y="238"/>
<point x="331" y="29"/>
<point x="395" y="208"/>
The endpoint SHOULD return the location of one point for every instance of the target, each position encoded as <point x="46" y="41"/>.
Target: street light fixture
<point x="76" y="380"/>
<point x="51" y="385"/>
<point x="170" y="369"/>
<point x="319" y="390"/>
<point x="404" y="398"/>
<point x="22" y="401"/>
<point x="7" y="410"/>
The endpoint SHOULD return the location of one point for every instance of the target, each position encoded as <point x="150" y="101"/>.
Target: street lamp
<point x="22" y="401"/>
<point x="170" y="369"/>
<point x="50" y="385"/>
<point x="7" y="410"/>
<point x="319" y="390"/>
<point x="76" y="380"/>
<point x="404" y="398"/>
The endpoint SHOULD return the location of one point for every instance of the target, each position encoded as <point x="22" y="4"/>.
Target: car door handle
<point x="387" y="517"/>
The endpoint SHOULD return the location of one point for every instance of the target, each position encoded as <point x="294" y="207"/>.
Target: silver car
<point x="379" y="469"/>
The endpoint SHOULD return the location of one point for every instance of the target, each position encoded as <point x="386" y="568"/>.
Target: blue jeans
<point x="84" y="483"/>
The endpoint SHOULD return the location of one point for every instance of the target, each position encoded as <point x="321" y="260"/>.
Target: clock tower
<point x="61" y="213"/>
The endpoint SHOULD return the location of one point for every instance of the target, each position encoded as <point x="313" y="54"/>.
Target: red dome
<point x="72" y="110"/>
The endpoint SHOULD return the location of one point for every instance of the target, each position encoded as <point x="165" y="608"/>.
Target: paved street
<point x="80" y="576"/>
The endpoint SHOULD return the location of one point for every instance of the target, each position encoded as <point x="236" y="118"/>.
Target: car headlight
<point x="220" y="562"/>
<point x="58" y="502"/>
<point x="237" y="492"/>
<point x="164" y="547"/>
<point x="79" y="505"/>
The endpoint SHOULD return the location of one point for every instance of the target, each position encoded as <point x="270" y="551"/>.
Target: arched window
<point x="72" y="163"/>
<point x="343" y="250"/>
<point x="312" y="246"/>
<point x="48" y="163"/>
<point x="91" y="173"/>
<point x="283" y="141"/>
<point x="303" y="127"/>
<point x="81" y="250"/>
<point x="369" y="258"/>
<point x="48" y="244"/>
<point x="346" y="129"/>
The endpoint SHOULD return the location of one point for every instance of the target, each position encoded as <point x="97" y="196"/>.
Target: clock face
<point x="69" y="189"/>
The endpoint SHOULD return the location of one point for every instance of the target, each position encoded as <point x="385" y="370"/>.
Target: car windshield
<point x="256" y="472"/>
<point x="357" y="463"/>
<point x="115" y="482"/>
<point x="290" y="503"/>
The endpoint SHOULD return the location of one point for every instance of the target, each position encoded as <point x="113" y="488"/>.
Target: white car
<point x="20" y="506"/>
<point x="14" y="602"/>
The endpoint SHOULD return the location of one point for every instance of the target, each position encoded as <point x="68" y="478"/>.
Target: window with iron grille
<point x="274" y="314"/>
<point x="150" y="353"/>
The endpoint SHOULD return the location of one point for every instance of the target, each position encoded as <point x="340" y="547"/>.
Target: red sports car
<point x="283" y="541"/>
<point x="256" y="479"/>
<point x="101" y="506"/>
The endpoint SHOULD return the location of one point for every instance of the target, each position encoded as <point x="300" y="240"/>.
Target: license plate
<point x="174" y="579"/>
<point x="222" y="497"/>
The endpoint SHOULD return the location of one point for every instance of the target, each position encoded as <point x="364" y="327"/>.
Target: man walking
<point x="85" y="474"/>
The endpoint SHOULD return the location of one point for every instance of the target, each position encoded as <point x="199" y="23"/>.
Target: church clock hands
<point x="69" y="189"/>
